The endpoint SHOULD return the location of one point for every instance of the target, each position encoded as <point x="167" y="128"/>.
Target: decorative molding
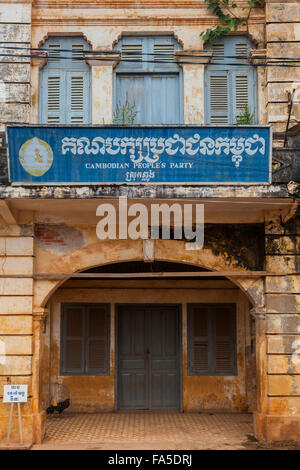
<point x="139" y="21"/>
<point x="64" y="33"/>
<point x="258" y="313"/>
<point x="196" y="57"/>
<point x="121" y="4"/>
<point x="149" y="251"/>
<point x="147" y="33"/>
<point x="255" y="56"/>
<point x="97" y="59"/>
<point x="40" y="61"/>
<point x="40" y="314"/>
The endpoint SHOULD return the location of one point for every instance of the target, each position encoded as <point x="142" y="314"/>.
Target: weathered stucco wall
<point x="15" y="31"/>
<point x="282" y="40"/>
<point x="279" y="416"/>
<point x="278" y="386"/>
<point x="16" y="321"/>
<point x="23" y="300"/>
<point x="103" y="23"/>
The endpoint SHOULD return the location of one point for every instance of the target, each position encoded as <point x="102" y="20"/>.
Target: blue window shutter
<point x="65" y="83"/>
<point x="164" y="99"/>
<point x="243" y="92"/>
<point x="229" y="87"/>
<point x="77" y="98"/>
<point x="149" y="78"/>
<point x="153" y="54"/>
<point x="217" y="89"/>
<point x="54" y="105"/>
<point x="156" y="97"/>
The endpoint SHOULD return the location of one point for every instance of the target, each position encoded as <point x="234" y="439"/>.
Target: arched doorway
<point x="164" y="342"/>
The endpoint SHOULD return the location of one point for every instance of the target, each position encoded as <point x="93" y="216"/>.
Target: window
<point x="85" y="339"/>
<point x="212" y="339"/>
<point x="230" y="82"/>
<point x="65" y="83"/>
<point x="149" y="79"/>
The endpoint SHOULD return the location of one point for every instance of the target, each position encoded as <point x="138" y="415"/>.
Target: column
<point x="102" y="66"/>
<point x="193" y="65"/>
<point x="37" y="63"/>
<point x="39" y="415"/>
<point x="257" y="57"/>
<point x="282" y="419"/>
<point x="16" y="257"/>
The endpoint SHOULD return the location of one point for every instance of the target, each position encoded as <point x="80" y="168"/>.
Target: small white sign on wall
<point x="15" y="393"/>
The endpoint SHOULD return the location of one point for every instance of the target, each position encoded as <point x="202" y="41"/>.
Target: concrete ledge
<point x="162" y="191"/>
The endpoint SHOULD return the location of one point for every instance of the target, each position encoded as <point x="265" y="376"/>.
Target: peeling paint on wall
<point x="59" y="238"/>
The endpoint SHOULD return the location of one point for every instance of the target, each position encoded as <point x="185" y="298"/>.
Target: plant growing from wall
<point x="124" y="114"/>
<point x="229" y="21"/>
<point x="245" y="118"/>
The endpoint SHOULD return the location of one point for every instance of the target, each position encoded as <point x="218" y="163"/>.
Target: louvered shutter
<point x="54" y="103"/>
<point x="72" y="340"/>
<point x="241" y="94"/>
<point x="224" y="339"/>
<point x="230" y="82"/>
<point x="241" y="51"/>
<point x="218" y="53"/>
<point x="218" y="98"/>
<point x="54" y="53"/>
<point x="65" y="83"/>
<point x="97" y="351"/>
<point x="132" y="52"/>
<point x="163" y="52"/>
<point x="78" y="98"/>
<point x="85" y="339"/>
<point x="199" y="340"/>
<point x="212" y="339"/>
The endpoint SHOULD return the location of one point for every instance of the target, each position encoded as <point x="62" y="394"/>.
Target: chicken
<point x="59" y="407"/>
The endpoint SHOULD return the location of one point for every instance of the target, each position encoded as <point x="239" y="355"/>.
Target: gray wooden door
<point x="148" y="357"/>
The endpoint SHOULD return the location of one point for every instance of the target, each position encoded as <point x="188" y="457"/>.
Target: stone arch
<point x="42" y="41"/>
<point x="116" y="251"/>
<point x="163" y="32"/>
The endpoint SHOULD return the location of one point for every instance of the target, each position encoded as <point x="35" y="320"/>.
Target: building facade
<point x="137" y="323"/>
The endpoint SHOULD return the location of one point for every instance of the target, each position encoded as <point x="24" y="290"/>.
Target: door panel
<point x="164" y="357"/>
<point x="148" y="357"/>
<point x="132" y="363"/>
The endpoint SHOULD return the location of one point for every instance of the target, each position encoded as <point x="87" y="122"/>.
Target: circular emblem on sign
<point x="36" y="156"/>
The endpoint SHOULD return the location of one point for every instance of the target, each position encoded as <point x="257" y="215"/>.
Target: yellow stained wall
<point x="97" y="393"/>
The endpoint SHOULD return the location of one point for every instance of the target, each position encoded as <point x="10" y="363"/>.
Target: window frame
<point x="211" y="338"/>
<point x="230" y="69"/>
<point x="64" y="69"/>
<point x="63" y="339"/>
<point x="149" y="69"/>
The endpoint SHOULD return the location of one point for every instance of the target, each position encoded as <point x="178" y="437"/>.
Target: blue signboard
<point x="153" y="154"/>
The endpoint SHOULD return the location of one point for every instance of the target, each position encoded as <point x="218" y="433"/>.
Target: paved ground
<point x="147" y="430"/>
